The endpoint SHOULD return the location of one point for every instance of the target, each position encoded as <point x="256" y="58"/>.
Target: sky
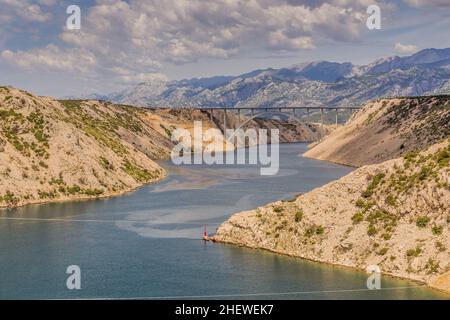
<point x="122" y="43"/>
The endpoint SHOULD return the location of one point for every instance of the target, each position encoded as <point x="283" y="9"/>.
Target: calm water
<point x="146" y="243"/>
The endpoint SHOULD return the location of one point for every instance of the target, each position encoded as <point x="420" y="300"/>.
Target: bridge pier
<point x="256" y="111"/>
<point x="321" y="122"/>
<point x="224" y="120"/>
<point x="238" y="117"/>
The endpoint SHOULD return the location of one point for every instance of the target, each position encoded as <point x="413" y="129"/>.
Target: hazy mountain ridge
<point x="307" y="84"/>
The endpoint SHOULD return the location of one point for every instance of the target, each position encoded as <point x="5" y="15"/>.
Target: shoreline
<point x="213" y="238"/>
<point x="336" y="265"/>
<point x="439" y="282"/>
<point x="83" y="198"/>
<point x="160" y="162"/>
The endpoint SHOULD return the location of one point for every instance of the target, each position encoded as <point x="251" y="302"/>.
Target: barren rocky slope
<point x="395" y="215"/>
<point x="55" y="151"/>
<point x="386" y="129"/>
<point x="58" y="150"/>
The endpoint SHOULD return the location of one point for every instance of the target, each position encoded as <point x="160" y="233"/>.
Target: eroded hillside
<point x="386" y="129"/>
<point x="395" y="215"/>
<point x="74" y="149"/>
<point x="70" y="149"/>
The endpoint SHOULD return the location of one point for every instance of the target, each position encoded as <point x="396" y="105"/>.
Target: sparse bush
<point x="138" y="173"/>
<point x="386" y="236"/>
<point x="437" y="230"/>
<point x="440" y="246"/>
<point x="73" y="189"/>
<point x="357" y="217"/>
<point x="413" y="252"/>
<point x="43" y="164"/>
<point x="93" y="192"/>
<point x="391" y="200"/>
<point x="376" y="180"/>
<point x="299" y="215"/>
<point x="422" y="221"/>
<point x="320" y="230"/>
<point x="314" y="230"/>
<point x="278" y="209"/>
<point x="432" y="266"/>
<point x="372" y="231"/>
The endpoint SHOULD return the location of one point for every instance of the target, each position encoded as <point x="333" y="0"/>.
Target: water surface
<point x="146" y="244"/>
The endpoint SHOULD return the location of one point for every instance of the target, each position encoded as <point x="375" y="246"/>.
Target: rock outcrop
<point x="70" y="149"/>
<point x="385" y="129"/>
<point x="395" y="214"/>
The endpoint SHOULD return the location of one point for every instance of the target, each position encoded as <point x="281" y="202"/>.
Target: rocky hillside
<point x="385" y="129"/>
<point x="319" y="83"/>
<point x="52" y="150"/>
<point x="59" y="150"/>
<point x="395" y="214"/>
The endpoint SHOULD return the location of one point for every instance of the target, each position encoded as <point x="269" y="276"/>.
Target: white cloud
<point x="405" y="48"/>
<point x="133" y="39"/>
<point x="52" y="58"/>
<point x="22" y="9"/>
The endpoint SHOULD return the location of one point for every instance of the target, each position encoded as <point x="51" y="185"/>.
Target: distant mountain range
<point x="319" y="83"/>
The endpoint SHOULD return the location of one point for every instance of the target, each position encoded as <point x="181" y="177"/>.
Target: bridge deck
<point x="261" y="109"/>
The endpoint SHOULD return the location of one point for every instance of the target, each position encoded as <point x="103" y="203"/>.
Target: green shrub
<point x="437" y="230"/>
<point x="138" y="173"/>
<point x="372" y="231"/>
<point x="299" y="215"/>
<point x="9" y="198"/>
<point x="278" y="209"/>
<point x="391" y="200"/>
<point x="73" y="189"/>
<point x="440" y="246"/>
<point x="357" y="217"/>
<point x="413" y="252"/>
<point x="314" y="230"/>
<point x="43" y="164"/>
<point x="93" y="192"/>
<point x="422" y="221"/>
<point x="105" y="163"/>
<point x="443" y="158"/>
<point x="432" y="266"/>
<point x="386" y="236"/>
<point x="320" y="230"/>
<point x="376" y="180"/>
<point x="360" y="203"/>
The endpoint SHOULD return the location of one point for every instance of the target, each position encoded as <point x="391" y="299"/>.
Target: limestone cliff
<point x="395" y="214"/>
<point x="385" y="129"/>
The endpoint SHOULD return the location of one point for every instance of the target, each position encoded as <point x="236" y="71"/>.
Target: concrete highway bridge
<point x="255" y="112"/>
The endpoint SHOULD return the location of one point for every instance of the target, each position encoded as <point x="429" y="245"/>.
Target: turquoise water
<point x="146" y="244"/>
